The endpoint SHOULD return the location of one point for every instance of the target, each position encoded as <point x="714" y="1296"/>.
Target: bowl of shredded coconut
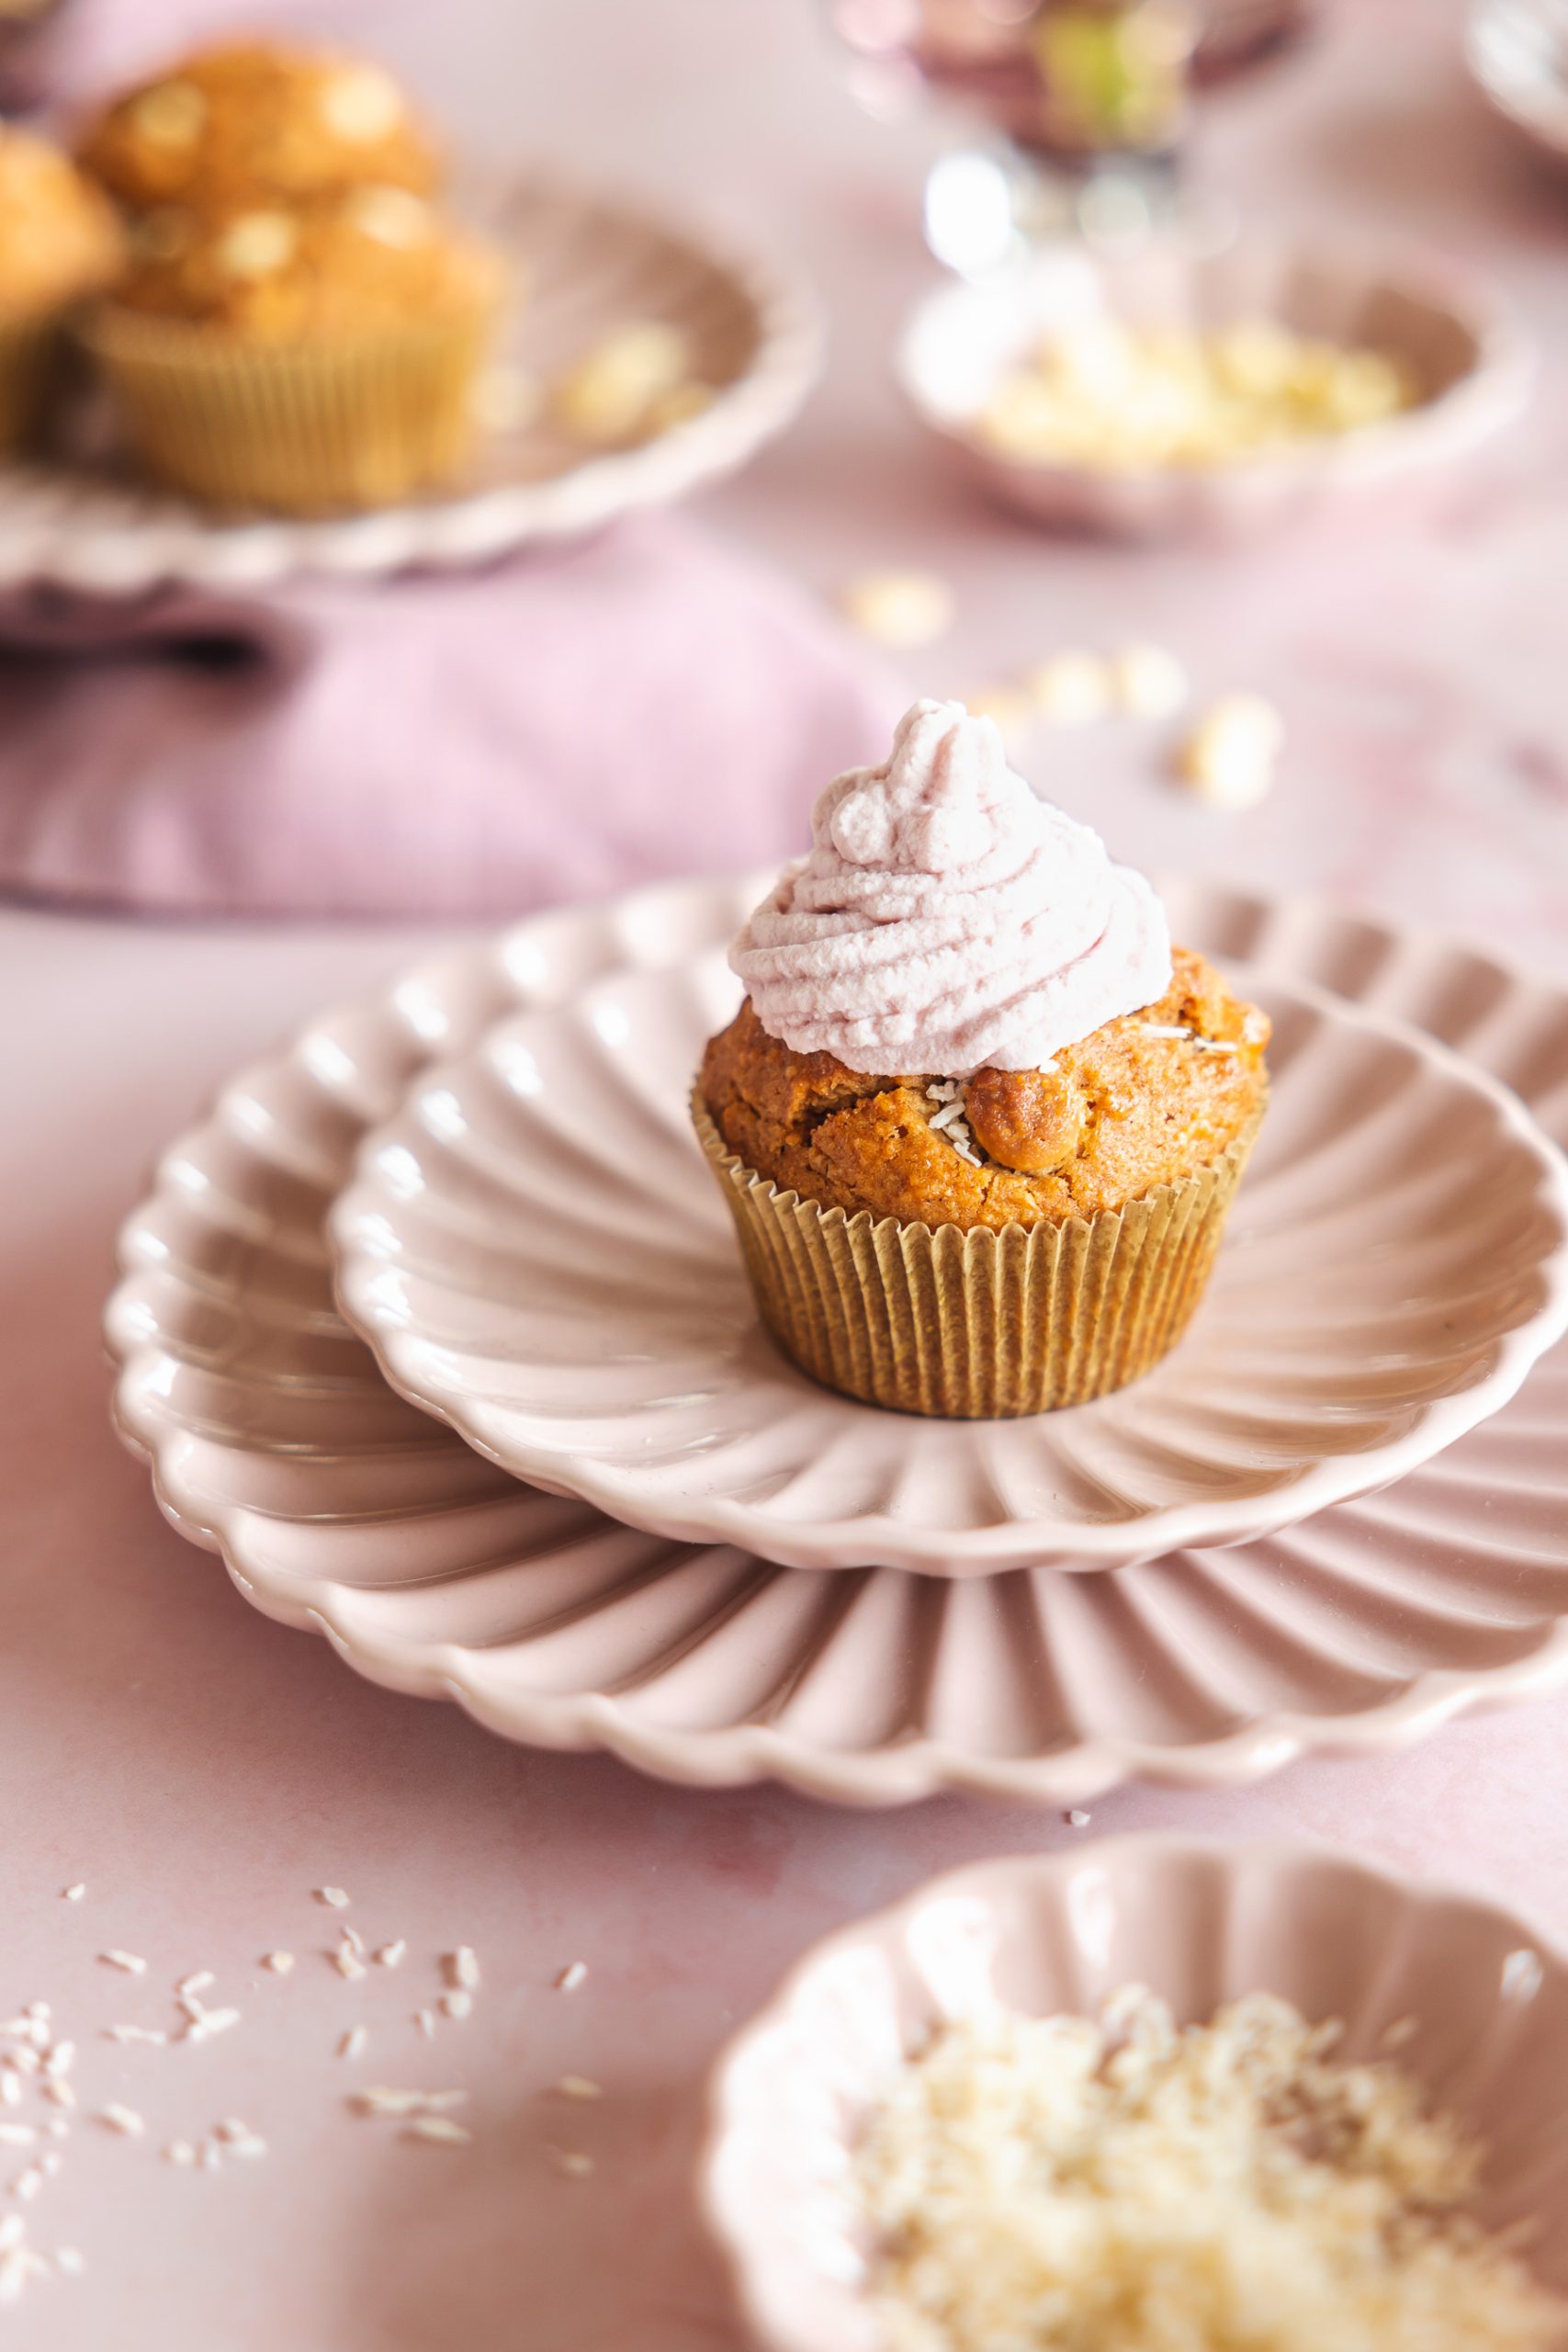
<point x="1154" y="2096"/>
<point x="1170" y="392"/>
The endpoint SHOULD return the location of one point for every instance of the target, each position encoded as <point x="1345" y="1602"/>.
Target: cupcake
<point x="256" y="122"/>
<point x="308" y="357"/>
<point x="59" y="243"/>
<point x="978" y="1121"/>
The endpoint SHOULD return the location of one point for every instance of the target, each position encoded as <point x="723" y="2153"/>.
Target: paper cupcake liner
<point x="29" y="362"/>
<point x="976" y="1325"/>
<point x="311" y="427"/>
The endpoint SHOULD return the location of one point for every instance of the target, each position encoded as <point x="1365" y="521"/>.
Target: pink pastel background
<point x="202" y="1769"/>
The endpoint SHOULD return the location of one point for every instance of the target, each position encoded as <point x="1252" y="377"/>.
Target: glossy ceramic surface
<point x="274" y="1442"/>
<point x="538" y="1254"/>
<point x="1518" y="54"/>
<point x="1457" y="340"/>
<point x="588" y="266"/>
<point x="1199" y="1925"/>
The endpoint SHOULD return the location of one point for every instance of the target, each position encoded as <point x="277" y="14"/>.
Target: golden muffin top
<point x="373" y="257"/>
<point x="58" y="239"/>
<point x="1149" y="1099"/>
<point x="253" y="122"/>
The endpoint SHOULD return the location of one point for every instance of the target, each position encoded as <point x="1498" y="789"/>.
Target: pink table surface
<point x="202" y="1769"/>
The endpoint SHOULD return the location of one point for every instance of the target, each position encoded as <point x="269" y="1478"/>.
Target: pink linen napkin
<point x="644" y="704"/>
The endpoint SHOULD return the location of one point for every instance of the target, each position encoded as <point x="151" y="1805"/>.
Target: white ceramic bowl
<point x="1457" y="339"/>
<point x="1200" y="1924"/>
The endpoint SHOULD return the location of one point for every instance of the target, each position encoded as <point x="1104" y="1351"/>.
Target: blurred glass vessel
<point x="987" y="53"/>
<point x="1081" y="107"/>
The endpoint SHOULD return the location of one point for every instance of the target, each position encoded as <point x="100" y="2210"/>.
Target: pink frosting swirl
<point x="946" y="920"/>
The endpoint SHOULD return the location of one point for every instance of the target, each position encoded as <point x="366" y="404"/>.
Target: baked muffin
<point x="59" y="243"/>
<point x="978" y="1123"/>
<point x="258" y="122"/>
<point x="306" y="357"/>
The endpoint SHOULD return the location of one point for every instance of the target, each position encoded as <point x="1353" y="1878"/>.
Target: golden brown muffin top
<point x="58" y="239"/>
<point x="250" y="121"/>
<point x="1146" y="1100"/>
<point x="357" y="263"/>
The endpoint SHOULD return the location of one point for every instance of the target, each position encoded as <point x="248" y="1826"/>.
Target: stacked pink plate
<point x="436" y="1331"/>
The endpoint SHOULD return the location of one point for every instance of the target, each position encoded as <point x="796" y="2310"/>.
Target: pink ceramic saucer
<point x="336" y="1506"/>
<point x="1199" y="1924"/>
<point x="1456" y="339"/>
<point x="535" y="1252"/>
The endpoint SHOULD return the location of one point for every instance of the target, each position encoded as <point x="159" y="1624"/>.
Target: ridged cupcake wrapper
<point x="302" y="428"/>
<point x="976" y="1325"/>
<point x="30" y="361"/>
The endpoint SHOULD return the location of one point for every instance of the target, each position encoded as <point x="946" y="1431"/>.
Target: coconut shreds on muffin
<point x="1139" y="1103"/>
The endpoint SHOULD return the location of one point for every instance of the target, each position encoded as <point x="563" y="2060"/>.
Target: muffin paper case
<point x="977" y="1325"/>
<point x="304" y="428"/>
<point x="30" y="358"/>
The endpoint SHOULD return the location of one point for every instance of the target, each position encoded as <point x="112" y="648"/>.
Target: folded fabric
<point x="647" y="702"/>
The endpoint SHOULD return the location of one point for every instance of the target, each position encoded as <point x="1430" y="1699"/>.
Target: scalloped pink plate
<point x="1199" y="1925"/>
<point x="537" y="1254"/>
<point x="337" y="1507"/>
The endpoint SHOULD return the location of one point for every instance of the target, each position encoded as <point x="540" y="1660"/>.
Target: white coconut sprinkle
<point x="579" y="2087"/>
<point x="573" y="2162"/>
<point x="68" y="2260"/>
<point x="74" y="1891"/>
<point x="570" y="1978"/>
<point x="385" y="2098"/>
<point x="51" y="2161"/>
<point x="355" y="1942"/>
<point x="1395" y="2036"/>
<point x="204" y="2023"/>
<point x="1162" y="1029"/>
<point x="188" y="1986"/>
<point x="347" y="1962"/>
<point x="123" y="2120"/>
<point x="38" y="2010"/>
<point x="353" y="2042"/>
<point x="16" y="2135"/>
<point x="457" y="2005"/>
<point x="462" y="1967"/>
<point x="24" y="2062"/>
<point x="211" y="2156"/>
<point x="27" y="2184"/>
<point x="389" y="1955"/>
<point x="1076" y="1818"/>
<point x="439" y="2129"/>
<point x="59" y="2093"/>
<point x="18" y="2265"/>
<point x="128" y="1960"/>
<point x="58" y="2127"/>
<point x="425" y="2021"/>
<point x="281" y="1962"/>
<point x="1214" y="1046"/>
<point x="61" y="2059"/>
<point x="179" y="2152"/>
<point x="332" y="1896"/>
<point x="13" y="2228"/>
<point x="10" y="2088"/>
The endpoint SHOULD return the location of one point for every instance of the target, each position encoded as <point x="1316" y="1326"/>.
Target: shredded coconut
<point x="123" y="2120"/>
<point x="439" y="2128"/>
<point x="126" y="1960"/>
<point x="353" y="2042"/>
<point x="457" y="2005"/>
<point x="332" y="1896"/>
<point x="389" y="1955"/>
<point x="1056" y="2185"/>
<point x="281" y="1962"/>
<point x="579" y="2087"/>
<point x="462" y="1968"/>
<point x="570" y="1978"/>
<point x="573" y="2162"/>
<point x="75" y="1893"/>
